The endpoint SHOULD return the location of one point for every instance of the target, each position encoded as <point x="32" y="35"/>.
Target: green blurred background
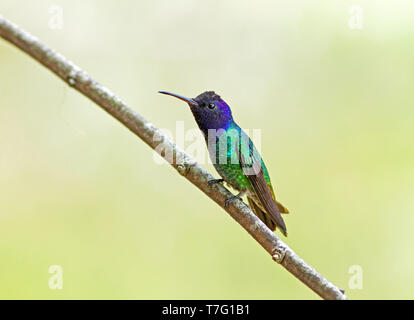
<point x="334" y="105"/>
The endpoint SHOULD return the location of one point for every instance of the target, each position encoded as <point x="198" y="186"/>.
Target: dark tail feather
<point x="262" y="215"/>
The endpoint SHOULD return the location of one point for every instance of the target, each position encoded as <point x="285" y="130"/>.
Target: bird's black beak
<point x="190" y="101"/>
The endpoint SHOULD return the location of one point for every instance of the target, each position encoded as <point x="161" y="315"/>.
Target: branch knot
<point x="278" y="254"/>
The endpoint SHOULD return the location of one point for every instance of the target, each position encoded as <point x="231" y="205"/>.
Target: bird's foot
<point x="214" y="181"/>
<point x="233" y="198"/>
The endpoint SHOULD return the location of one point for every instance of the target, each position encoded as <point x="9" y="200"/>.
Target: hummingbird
<point x="240" y="164"/>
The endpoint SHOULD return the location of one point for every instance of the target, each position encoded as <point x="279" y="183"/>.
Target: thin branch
<point x="184" y="164"/>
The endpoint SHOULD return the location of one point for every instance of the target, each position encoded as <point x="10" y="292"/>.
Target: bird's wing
<point x="252" y="167"/>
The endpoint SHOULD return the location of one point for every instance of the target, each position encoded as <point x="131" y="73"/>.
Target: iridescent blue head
<point x="209" y="110"/>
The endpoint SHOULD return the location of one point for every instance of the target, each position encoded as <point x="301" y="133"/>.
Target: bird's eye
<point x="211" y="106"/>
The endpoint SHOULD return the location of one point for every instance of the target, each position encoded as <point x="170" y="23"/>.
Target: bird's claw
<point x="228" y="201"/>
<point x="214" y="181"/>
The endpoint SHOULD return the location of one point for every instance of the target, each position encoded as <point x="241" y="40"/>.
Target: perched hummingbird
<point x="213" y="114"/>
